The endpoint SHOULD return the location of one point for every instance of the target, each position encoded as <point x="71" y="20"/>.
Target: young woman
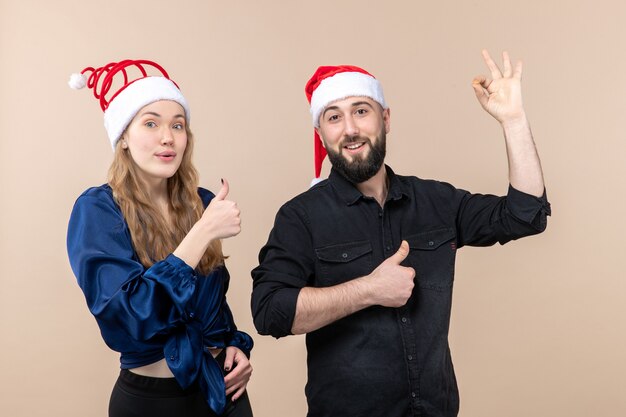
<point x="146" y="251"/>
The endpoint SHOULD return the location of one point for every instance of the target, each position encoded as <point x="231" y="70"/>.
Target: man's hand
<point x="390" y="283"/>
<point x="501" y="96"/>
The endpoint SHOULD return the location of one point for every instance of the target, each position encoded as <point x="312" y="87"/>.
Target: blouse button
<point x="431" y="243"/>
<point x="344" y="255"/>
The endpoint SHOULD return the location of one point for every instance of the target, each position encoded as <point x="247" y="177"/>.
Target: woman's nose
<point x="167" y="138"/>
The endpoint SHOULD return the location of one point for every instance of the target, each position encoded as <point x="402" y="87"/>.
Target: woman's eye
<point x="150" y="124"/>
<point x="178" y="126"/>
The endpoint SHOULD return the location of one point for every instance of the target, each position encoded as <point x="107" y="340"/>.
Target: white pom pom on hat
<point x="77" y="81"/>
<point x="120" y="106"/>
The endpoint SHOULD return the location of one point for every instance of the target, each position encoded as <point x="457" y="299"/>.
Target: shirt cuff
<point x="527" y="207"/>
<point x="187" y="278"/>
<point x="242" y="341"/>
<point x="179" y="264"/>
<point x="279" y="319"/>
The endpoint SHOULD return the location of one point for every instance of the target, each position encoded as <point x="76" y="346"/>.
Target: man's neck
<point x="376" y="187"/>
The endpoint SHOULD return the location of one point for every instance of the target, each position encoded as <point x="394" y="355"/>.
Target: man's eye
<point x="333" y="118"/>
<point x="361" y="111"/>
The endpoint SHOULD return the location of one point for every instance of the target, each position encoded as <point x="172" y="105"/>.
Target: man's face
<point x="353" y="131"/>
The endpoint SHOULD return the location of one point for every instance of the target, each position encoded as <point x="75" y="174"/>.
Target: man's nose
<point x="351" y="128"/>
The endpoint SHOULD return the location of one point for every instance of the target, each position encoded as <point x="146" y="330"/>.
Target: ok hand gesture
<point x="501" y="96"/>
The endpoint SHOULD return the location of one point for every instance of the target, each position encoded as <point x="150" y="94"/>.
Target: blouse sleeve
<point x="120" y="292"/>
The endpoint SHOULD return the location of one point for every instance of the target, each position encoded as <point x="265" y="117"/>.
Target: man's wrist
<point x="363" y="287"/>
<point x="516" y="124"/>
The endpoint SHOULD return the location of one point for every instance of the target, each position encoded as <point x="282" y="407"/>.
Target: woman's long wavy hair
<point x="152" y="236"/>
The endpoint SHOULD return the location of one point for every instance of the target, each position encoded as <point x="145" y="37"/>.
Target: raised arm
<point x="501" y="97"/>
<point x="220" y="220"/>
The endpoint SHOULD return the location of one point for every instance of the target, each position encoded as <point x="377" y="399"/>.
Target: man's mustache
<point x="352" y="139"/>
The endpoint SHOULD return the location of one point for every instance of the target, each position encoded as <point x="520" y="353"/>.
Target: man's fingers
<point x="493" y="68"/>
<point x="517" y="73"/>
<point x="223" y="192"/>
<point x="479" y="84"/>
<point x="481" y="80"/>
<point x="401" y="254"/>
<point x="506" y="64"/>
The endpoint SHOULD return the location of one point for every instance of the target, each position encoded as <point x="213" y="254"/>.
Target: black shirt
<point x="380" y="361"/>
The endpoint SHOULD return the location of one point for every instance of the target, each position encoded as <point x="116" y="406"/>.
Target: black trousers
<point x="137" y="396"/>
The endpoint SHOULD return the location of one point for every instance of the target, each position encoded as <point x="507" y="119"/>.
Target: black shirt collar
<point x="350" y="194"/>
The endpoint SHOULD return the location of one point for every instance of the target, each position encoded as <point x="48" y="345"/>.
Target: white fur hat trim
<point x="343" y="85"/>
<point x="136" y="95"/>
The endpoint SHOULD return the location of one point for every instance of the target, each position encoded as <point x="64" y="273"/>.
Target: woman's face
<point x="156" y="139"/>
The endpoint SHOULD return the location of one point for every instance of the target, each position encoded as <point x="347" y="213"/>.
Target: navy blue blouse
<point x="166" y="311"/>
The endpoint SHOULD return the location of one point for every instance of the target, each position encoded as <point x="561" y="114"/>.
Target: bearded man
<point x="363" y="262"/>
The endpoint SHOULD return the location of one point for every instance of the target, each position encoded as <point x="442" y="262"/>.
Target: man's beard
<point x="360" y="170"/>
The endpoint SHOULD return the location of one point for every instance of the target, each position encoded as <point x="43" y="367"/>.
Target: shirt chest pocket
<point x="432" y="254"/>
<point x="343" y="262"/>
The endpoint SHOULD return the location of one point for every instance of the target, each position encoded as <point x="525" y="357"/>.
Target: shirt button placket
<point x="411" y="360"/>
<point x="386" y="244"/>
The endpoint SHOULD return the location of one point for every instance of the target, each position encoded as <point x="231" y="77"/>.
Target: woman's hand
<point x="221" y="217"/>
<point x="240" y="370"/>
<point x="220" y="220"/>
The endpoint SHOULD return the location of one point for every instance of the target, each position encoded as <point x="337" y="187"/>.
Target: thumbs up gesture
<point x="222" y="215"/>
<point x="390" y="283"/>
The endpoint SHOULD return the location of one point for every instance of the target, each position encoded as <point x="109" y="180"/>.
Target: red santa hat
<point x="124" y="87"/>
<point x="332" y="83"/>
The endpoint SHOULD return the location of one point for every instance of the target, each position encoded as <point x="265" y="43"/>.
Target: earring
<point x="124" y="145"/>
